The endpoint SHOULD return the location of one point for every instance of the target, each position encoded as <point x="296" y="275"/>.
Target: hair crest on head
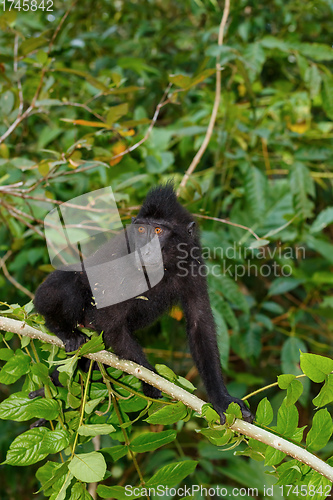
<point x="162" y="203"/>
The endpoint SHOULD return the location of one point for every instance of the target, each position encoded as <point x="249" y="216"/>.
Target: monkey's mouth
<point x="149" y="262"/>
<point x="149" y="266"/>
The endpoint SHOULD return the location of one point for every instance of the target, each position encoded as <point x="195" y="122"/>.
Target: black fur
<point x="65" y="299"/>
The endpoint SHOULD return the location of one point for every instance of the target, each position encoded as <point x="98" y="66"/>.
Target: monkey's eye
<point x="141" y="229"/>
<point x="158" y="230"/>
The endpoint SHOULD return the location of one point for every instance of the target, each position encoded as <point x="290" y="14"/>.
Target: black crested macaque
<point x="65" y="300"/>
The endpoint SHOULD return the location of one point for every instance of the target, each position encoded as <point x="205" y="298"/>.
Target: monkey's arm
<point x="201" y="332"/>
<point x="61" y="299"/>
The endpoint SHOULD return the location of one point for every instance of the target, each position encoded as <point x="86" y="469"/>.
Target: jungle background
<point x="82" y="83"/>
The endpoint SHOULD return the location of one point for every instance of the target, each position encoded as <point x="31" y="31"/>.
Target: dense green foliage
<point x="70" y="100"/>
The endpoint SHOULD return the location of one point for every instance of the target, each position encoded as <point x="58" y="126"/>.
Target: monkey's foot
<point x="74" y="343"/>
<point x="246" y="413"/>
<point x="150" y="391"/>
<point x="36" y="394"/>
<point x="38" y="423"/>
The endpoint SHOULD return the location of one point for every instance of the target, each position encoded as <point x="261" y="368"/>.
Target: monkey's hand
<point x="246" y="413"/>
<point x="150" y="391"/>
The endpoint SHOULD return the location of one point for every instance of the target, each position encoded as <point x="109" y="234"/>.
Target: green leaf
<point x="316" y="51"/>
<point x="325" y="395"/>
<point x="49" y="473"/>
<point x="79" y="492"/>
<point x="44" y="168"/>
<point x="317" y="483"/>
<point x="185" y="384"/>
<point x="301" y="184"/>
<point x="231" y="292"/>
<point x="118" y="492"/>
<point x="26" y="448"/>
<point x="298" y="434"/>
<point x="258" y="243"/>
<point x="294" y="388"/>
<point x="312" y="79"/>
<point x="88" y="467"/>
<point x="281" y="286"/>
<point x="95" y="344"/>
<point x="294" y="391"/>
<point x="166" y="372"/>
<point x="289" y="472"/>
<point x="20" y="407"/>
<point x="223" y="306"/>
<point x="287" y="420"/>
<point x="6" y="354"/>
<point x="285" y="380"/>
<point x="41" y="371"/>
<point x="172" y="474"/>
<point x="290" y="356"/>
<point x="253" y="340"/>
<point x="273" y="456"/>
<point x="233" y="411"/>
<point x="17" y="366"/>
<point x="7" y="101"/>
<point x="264" y="414"/>
<point x="327" y="95"/>
<point x="186" y="82"/>
<point x="41" y="57"/>
<point x="182" y="81"/>
<point x="321" y="430"/>
<point x="255" y="184"/>
<point x="31" y="44"/>
<point x="49" y="102"/>
<point x="272" y="307"/>
<point x="93" y="81"/>
<point x="323" y="247"/>
<point x="316" y="367"/>
<point x="135" y="403"/>
<point x="210" y="414"/>
<point x="218" y="437"/>
<point x="116" y="452"/>
<point x="91" y="405"/>
<point x="116" y="112"/>
<point x="96" y="429"/>
<point x="223" y="340"/>
<point x="54" y="441"/>
<point x="150" y="441"/>
<point x="271" y="42"/>
<point x="169" y="414"/>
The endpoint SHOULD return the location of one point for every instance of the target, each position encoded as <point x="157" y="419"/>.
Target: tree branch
<point x="178" y="393"/>
<point x="217" y="99"/>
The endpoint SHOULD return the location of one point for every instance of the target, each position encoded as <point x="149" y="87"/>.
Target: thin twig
<point x="165" y="100"/>
<point x="83" y="106"/>
<point x="17" y="215"/>
<point x="26" y="113"/>
<point x="266" y="156"/>
<point x="11" y="279"/>
<point x="58" y="28"/>
<point x="217" y="99"/>
<point x="19" y="84"/>
<point x="225" y="221"/>
<point x="21" y="194"/>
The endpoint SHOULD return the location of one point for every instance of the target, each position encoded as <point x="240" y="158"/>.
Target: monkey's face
<point x="150" y="239"/>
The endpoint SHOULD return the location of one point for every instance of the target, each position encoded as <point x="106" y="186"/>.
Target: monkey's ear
<point x="190" y="227"/>
<point x="133" y="220"/>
